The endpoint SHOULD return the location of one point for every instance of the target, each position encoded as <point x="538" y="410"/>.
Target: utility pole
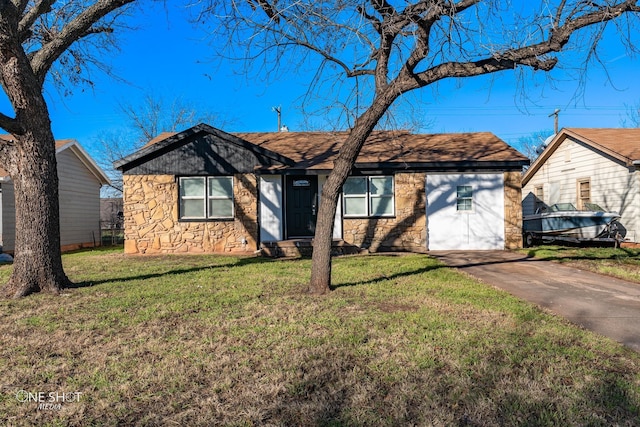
<point x="278" y="110"/>
<point x="555" y="120"/>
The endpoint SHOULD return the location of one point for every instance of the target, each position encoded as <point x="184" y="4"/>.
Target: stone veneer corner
<point x="513" y="210"/>
<point x="152" y="226"/>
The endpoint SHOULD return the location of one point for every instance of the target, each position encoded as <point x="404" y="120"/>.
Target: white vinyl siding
<point x="8" y="217"/>
<point x="613" y="185"/>
<point x="79" y="201"/>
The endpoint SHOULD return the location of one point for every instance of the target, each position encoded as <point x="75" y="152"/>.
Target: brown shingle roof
<point x="623" y="141"/>
<point x="620" y="143"/>
<point x="317" y="150"/>
<point x="160" y="137"/>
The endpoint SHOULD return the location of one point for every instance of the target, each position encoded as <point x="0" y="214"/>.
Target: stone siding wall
<point x="512" y="210"/>
<point x="407" y="231"/>
<point x="152" y="226"/>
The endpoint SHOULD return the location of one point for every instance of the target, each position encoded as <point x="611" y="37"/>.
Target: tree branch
<point x="39" y="9"/>
<point x="532" y="56"/>
<point x="10" y="125"/>
<point x="79" y="27"/>
<point x="425" y="24"/>
<point x="20" y="5"/>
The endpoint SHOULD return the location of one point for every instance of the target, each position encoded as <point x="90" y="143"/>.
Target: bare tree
<point x="633" y="116"/>
<point x="531" y="145"/>
<point x="43" y="41"/>
<point x="387" y="49"/>
<point x="145" y="120"/>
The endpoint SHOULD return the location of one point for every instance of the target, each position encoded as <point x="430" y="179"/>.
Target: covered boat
<point x="562" y="221"/>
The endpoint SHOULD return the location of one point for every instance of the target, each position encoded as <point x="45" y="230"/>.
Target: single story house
<point x="588" y="165"/>
<point x="80" y="180"/>
<point x="205" y="190"/>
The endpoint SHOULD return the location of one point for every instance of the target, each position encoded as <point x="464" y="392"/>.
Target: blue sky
<point x="168" y="56"/>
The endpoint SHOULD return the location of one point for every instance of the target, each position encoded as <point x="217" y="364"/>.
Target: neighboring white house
<point x="583" y="165"/>
<point x="80" y="180"/>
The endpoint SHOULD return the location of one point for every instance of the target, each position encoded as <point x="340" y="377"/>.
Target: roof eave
<point x="446" y="166"/>
<point x="200" y="128"/>
<point x="555" y="143"/>
<point x="87" y="161"/>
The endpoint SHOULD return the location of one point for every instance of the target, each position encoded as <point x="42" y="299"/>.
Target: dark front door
<point x="302" y="192"/>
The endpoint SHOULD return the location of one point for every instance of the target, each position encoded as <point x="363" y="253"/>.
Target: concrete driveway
<point x="605" y="305"/>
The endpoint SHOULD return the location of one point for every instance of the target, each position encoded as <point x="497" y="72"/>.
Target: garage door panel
<point x="481" y="228"/>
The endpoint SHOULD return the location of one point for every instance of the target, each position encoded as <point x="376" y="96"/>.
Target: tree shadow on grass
<point x="169" y="273"/>
<point x="383" y="277"/>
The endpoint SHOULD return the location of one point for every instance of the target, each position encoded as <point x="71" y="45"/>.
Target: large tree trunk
<point x="321" y="259"/>
<point x="30" y="160"/>
<point x="37" y="259"/>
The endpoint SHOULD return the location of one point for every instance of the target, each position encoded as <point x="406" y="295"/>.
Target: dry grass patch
<point x="206" y="340"/>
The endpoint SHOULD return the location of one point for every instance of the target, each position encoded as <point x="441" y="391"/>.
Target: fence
<point x="111" y="234"/>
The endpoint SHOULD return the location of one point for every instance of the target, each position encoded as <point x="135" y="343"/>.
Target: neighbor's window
<point x="368" y="196"/>
<point x="584" y="193"/>
<point x="464" y="198"/>
<point x="206" y="197"/>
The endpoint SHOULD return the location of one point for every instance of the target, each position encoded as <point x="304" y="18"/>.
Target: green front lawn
<point x="623" y="263"/>
<point x="211" y="340"/>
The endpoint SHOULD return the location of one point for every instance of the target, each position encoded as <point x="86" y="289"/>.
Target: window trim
<point x="205" y="198"/>
<point x="579" y="199"/>
<point x="368" y="197"/>
<point x="464" y="198"/>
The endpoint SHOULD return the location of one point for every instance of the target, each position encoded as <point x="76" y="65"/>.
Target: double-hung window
<point x="206" y="197"/>
<point x="368" y="196"/>
<point x="464" y="198"/>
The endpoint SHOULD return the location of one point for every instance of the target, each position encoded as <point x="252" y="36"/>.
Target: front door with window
<point x="302" y="205"/>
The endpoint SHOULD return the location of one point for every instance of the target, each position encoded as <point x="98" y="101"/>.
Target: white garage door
<point x="465" y="211"/>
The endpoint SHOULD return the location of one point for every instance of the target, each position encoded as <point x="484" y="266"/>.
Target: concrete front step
<point x="296" y="248"/>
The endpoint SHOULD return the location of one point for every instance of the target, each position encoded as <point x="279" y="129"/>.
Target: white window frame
<point x="464" y="198"/>
<point x="368" y="197"/>
<point x="205" y="198"/>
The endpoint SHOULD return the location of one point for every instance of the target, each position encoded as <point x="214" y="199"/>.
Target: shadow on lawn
<point x="175" y="272"/>
<point x="390" y="277"/>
